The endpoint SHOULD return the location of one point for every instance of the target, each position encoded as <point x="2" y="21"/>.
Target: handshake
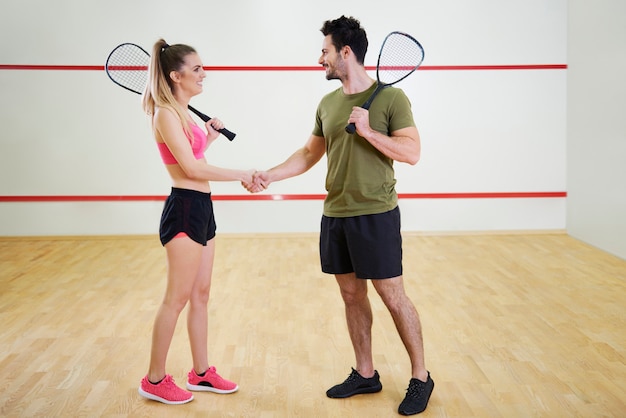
<point x="256" y="181"/>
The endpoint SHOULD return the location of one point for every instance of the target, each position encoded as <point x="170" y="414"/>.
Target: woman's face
<point x="190" y="76"/>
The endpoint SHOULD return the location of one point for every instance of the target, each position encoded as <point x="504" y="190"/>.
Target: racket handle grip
<point x="351" y="127"/>
<point x="228" y="134"/>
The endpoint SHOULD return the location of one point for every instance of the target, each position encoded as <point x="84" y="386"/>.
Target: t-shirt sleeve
<point x="317" y="128"/>
<point x="401" y="115"/>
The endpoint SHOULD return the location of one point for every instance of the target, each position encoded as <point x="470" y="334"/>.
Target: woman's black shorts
<point x="187" y="211"/>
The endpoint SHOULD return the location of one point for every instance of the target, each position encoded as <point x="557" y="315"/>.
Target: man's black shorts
<point x="368" y="245"/>
<point x="187" y="211"/>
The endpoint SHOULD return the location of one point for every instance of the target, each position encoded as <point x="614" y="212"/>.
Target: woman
<point x="187" y="224"/>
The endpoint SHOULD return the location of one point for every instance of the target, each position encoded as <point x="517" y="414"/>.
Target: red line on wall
<point x="261" y="197"/>
<point x="44" y="67"/>
<point x="51" y="67"/>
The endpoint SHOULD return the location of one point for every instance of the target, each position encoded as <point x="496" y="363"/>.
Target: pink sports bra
<point x="197" y="146"/>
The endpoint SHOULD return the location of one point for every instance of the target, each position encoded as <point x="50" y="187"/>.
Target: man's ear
<point x="345" y="52"/>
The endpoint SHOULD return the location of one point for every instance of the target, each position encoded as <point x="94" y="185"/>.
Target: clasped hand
<point x="260" y="182"/>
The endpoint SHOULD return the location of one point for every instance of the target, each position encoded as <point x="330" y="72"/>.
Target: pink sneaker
<point x="165" y="391"/>
<point x="210" y="382"/>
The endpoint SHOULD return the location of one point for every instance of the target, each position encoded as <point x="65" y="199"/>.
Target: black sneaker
<point x="417" y="396"/>
<point x="355" y="384"/>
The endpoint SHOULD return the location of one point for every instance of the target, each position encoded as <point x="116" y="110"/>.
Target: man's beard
<point x="332" y="75"/>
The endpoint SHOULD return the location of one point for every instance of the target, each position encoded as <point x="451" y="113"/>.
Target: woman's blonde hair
<point x="158" y="91"/>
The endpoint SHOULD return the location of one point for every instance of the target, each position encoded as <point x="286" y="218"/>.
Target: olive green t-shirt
<point x="360" y="180"/>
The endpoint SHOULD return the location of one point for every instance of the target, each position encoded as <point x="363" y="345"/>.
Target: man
<point x="360" y="236"/>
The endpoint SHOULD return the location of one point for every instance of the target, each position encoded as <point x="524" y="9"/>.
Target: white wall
<point x="596" y="152"/>
<point x="71" y="132"/>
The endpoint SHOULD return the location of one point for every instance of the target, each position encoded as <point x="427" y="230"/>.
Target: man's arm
<point x="299" y="162"/>
<point x="403" y="145"/>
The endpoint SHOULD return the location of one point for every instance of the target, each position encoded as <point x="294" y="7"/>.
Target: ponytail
<point x="158" y="92"/>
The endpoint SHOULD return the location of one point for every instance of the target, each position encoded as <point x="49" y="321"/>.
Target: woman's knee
<point x="176" y="300"/>
<point x="199" y="297"/>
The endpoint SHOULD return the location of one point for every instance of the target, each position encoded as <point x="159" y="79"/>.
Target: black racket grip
<point x="351" y="127"/>
<point x="228" y="134"/>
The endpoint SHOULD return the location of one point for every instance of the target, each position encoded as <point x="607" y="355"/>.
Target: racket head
<point x="127" y="66"/>
<point x="400" y="55"/>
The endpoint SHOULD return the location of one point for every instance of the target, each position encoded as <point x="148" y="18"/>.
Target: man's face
<point x="331" y="60"/>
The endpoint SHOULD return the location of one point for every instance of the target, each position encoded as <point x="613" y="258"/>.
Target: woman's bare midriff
<point x="181" y="181"/>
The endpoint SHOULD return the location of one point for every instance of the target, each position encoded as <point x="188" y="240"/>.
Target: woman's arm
<point x="169" y="129"/>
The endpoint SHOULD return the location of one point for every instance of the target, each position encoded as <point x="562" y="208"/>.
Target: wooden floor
<point x="514" y="326"/>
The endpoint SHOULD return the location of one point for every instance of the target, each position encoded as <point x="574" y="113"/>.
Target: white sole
<point x="163" y="400"/>
<point x="199" y="388"/>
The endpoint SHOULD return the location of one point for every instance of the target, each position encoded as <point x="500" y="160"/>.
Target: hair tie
<point x="164" y="47"/>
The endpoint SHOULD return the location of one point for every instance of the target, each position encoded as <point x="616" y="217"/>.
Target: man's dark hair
<point x="347" y="31"/>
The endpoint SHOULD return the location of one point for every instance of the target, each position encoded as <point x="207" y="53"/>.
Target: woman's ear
<point x="174" y="76"/>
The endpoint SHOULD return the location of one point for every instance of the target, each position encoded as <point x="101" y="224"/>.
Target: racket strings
<point x="400" y="56"/>
<point x="127" y="66"/>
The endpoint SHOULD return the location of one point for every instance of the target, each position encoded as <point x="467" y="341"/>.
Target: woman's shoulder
<point x="165" y="115"/>
<point x="164" y="112"/>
